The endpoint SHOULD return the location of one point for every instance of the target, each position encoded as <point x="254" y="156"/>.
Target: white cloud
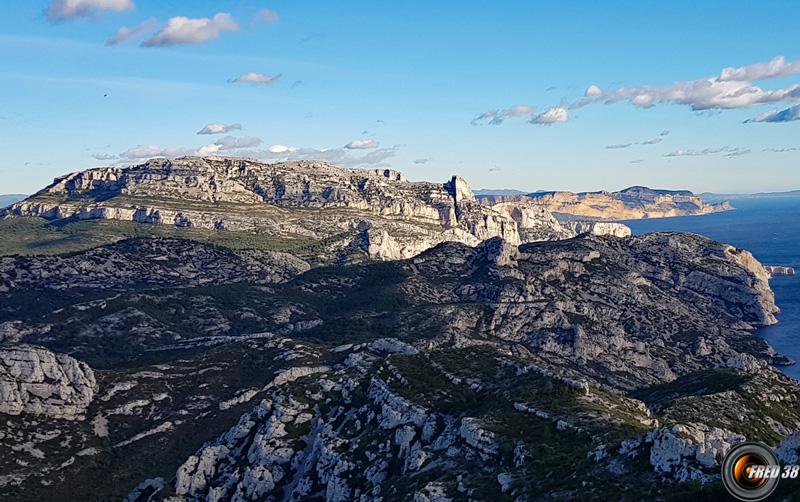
<point x="219" y="128"/>
<point x="497" y="117"/>
<point x="733" y="88"/>
<point x="362" y="144"/>
<point x="619" y="146"/>
<point x="124" y="34"/>
<point x="593" y="91"/>
<point x="280" y="149"/>
<point x="788" y="115"/>
<point x="776" y="67"/>
<point x="141" y="152"/>
<point x="222" y="145"/>
<point x="665" y="132"/>
<point x="245" y="147"/>
<point x="256" y="78"/>
<point x="182" y="30"/>
<point x="267" y="16"/>
<point x="207" y="150"/>
<point x="551" y="116"/>
<point x="62" y="10"/>
<point x="338" y="156"/>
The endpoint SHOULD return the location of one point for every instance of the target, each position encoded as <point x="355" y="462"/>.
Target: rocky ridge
<point x="436" y="376"/>
<point x="628" y="204"/>
<point x="374" y="212"/>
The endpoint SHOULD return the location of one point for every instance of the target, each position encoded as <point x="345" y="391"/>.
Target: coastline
<point x="762" y="226"/>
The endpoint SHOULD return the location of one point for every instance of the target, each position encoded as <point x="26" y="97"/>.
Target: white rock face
<point x="36" y="381"/>
<point x="477" y="437"/>
<point x="679" y="451"/>
<point x="599" y="228"/>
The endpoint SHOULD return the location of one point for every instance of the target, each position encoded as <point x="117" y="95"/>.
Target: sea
<point x="768" y="227"/>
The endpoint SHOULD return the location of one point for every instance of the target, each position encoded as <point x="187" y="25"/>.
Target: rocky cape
<point x="452" y="374"/>
<point x="629" y="204"/>
<point x="356" y="213"/>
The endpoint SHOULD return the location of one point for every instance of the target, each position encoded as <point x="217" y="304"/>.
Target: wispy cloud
<point x="297" y="83"/>
<point x="125" y="33"/>
<point x="497" y="117"/>
<point x="782" y="150"/>
<point x="653" y="141"/>
<point x="727" y="151"/>
<point x="732" y="88"/>
<point x="63" y="10"/>
<point x="637" y="161"/>
<point x="422" y="161"/>
<point x="103" y="156"/>
<point x="219" y="128"/>
<point x="267" y="16"/>
<point x="738" y="152"/>
<point x="787" y="115"/>
<point x="362" y="144"/>
<point x="182" y="30"/>
<point x="256" y="78"/>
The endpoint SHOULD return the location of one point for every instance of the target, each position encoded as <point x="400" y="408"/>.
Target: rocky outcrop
<point x="778" y="270"/>
<point x="36" y="381"/>
<point x="684" y="450"/>
<point x="629" y="204"/>
<point x="598" y="228"/>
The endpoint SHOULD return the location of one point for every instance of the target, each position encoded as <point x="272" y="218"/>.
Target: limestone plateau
<point x="629" y="204"/>
<point x="427" y="347"/>
<point x="372" y="213"/>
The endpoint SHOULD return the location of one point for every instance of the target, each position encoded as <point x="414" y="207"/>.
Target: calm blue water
<point x="770" y="229"/>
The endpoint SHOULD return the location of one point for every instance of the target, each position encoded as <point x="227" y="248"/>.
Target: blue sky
<point x="494" y="92"/>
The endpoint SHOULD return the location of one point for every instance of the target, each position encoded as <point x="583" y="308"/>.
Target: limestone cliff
<point x="628" y="204"/>
<point x="375" y="212"/>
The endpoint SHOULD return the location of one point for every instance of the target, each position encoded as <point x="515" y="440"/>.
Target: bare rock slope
<point x="451" y="374"/>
